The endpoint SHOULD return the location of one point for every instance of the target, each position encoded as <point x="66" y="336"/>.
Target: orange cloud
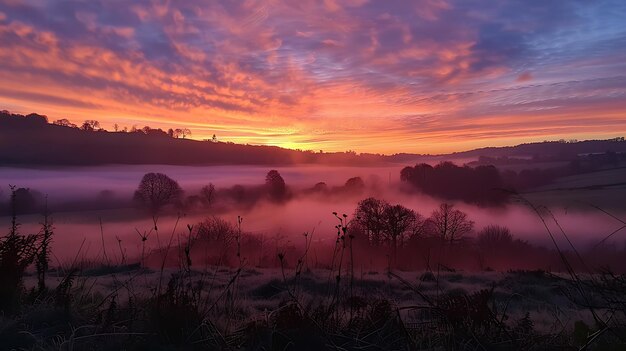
<point x="329" y="75"/>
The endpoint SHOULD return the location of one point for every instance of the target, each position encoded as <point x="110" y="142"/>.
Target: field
<point x="250" y="308"/>
<point x="605" y="189"/>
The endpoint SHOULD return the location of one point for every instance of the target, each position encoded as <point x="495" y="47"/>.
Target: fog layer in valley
<point x="279" y="224"/>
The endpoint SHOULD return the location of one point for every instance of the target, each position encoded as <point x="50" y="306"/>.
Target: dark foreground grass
<point x="238" y="310"/>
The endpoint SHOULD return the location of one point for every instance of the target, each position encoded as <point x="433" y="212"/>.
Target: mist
<point x="282" y="223"/>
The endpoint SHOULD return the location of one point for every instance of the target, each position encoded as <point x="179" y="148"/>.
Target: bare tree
<point x="181" y="133"/>
<point x="450" y="224"/>
<point x="401" y="223"/>
<point x="369" y="215"/>
<point x="216" y="229"/>
<point x="207" y="194"/>
<point x="157" y="190"/>
<point x="494" y="236"/>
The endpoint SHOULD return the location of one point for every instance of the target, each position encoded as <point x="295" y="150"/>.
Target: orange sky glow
<point x="431" y="76"/>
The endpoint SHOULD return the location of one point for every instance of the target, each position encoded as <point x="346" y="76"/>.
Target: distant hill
<point x="31" y="140"/>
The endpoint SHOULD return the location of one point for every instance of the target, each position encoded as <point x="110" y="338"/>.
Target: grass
<point x="483" y="305"/>
<point x="604" y="188"/>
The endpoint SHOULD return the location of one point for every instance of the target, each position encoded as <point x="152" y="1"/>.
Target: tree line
<point x="487" y="185"/>
<point x="92" y="125"/>
<point x="481" y="185"/>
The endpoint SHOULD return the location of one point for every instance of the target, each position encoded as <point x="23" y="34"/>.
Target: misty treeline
<point x="488" y="185"/>
<point x="157" y="192"/>
<point x="482" y="185"/>
<point x="384" y="232"/>
<point x="380" y="235"/>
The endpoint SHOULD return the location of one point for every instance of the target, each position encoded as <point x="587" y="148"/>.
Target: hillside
<point x="31" y="140"/>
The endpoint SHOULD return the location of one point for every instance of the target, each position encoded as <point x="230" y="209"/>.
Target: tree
<point x="369" y="215"/>
<point x="64" y="122"/>
<point x="207" y="194"/>
<point x="275" y="185"/>
<point x="90" y="125"/>
<point x="494" y="237"/>
<point x="400" y="223"/>
<point x="320" y="187"/>
<point x="450" y="224"/>
<point x="26" y="200"/>
<point x="181" y="132"/>
<point x="36" y="118"/>
<point x="157" y="190"/>
<point x="354" y="184"/>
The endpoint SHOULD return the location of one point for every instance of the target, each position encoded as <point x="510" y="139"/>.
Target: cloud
<point x="374" y="76"/>
<point x="524" y="77"/>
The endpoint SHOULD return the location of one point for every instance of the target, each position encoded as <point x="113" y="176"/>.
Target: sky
<point x="388" y="76"/>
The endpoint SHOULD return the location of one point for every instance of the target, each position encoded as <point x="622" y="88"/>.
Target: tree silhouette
<point x="64" y="122"/>
<point x="275" y="185"/>
<point x="450" y="224"/>
<point x="481" y="185"/>
<point x="181" y="133"/>
<point x="320" y="187"/>
<point x="207" y="194"/>
<point x="90" y="125"/>
<point x="387" y="224"/>
<point x="494" y="237"/>
<point x="400" y="222"/>
<point x="369" y="215"/>
<point x="157" y="190"/>
<point x="354" y="185"/>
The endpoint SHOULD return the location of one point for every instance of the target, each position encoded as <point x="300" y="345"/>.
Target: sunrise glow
<point x="371" y="76"/>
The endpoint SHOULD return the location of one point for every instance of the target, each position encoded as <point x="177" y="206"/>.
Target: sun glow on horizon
<point x="423" y="77"/>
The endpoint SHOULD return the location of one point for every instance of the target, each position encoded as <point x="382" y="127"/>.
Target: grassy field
<point x="605" y="189"/>
<point x="128" y="307"/>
